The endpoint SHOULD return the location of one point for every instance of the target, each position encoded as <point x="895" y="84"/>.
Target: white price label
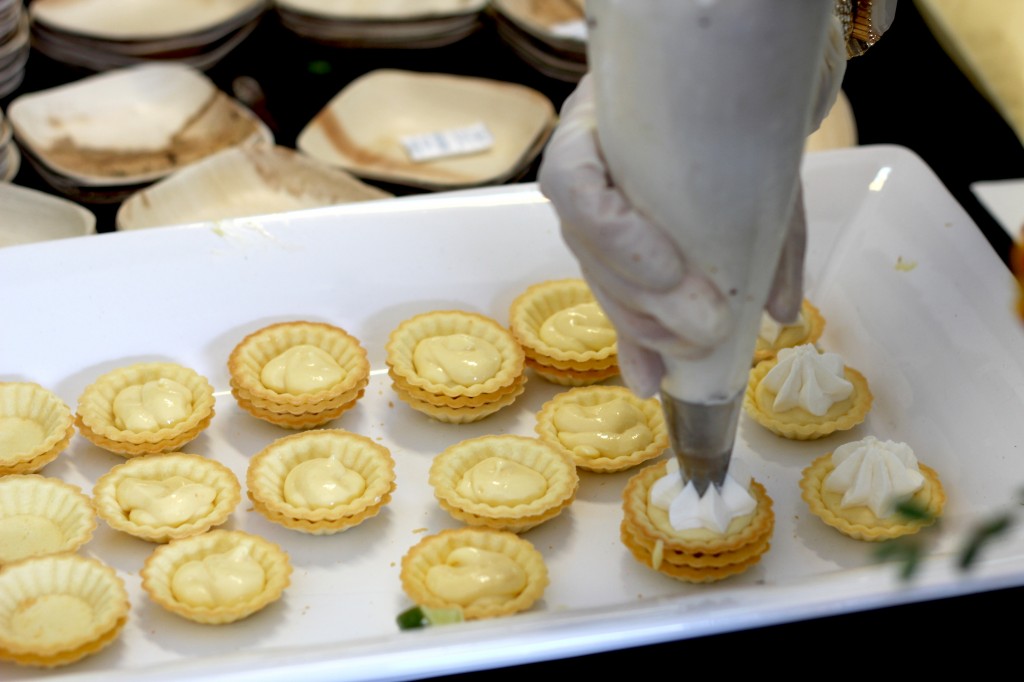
<point x="452" y="142"/>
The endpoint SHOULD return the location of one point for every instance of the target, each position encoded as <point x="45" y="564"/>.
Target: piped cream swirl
<point x="714" y="510"/>
<point x="874" y="474"/>
<point x="806" y="378"/>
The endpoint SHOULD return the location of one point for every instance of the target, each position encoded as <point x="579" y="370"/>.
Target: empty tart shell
<point x="861" y="523"/>
<point x="41" y="516"/>
<point x="322" y="481"/>
<point x="603" y="428"/>
<point x="265" y="564"/>
<point x="35" y="427"/>
<point x="58" y="609"/>
<point x="144" y="496"/>
<point x="694" y="555"/>
<point x="451" y="400"/>
<point x="509" y="482"/>
<point x="437" y="559"/>
<point x="96" y="418"/>
<point x="298" y="410"/>
<point x="807" y="329"/>
<point x="797" y="423"/>
<point x="533" y="308"/>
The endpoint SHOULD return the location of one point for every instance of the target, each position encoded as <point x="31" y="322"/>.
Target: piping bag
<point x="703" y="107"/>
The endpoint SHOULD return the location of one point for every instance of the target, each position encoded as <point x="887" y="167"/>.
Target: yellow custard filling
<point x="219" y="579"/>
<point x="20" y="435"/>
<point x="169" y="502"/>
<point x="471" y="575"/>
<point x="456" y="359"/>
<point x="322" y="483"/>
<point x="660" y="520"/>
<point x="301" y="369"/>
<point x="152" y="405"/>
<point x="500" y="481"/>
<point x="580" y="328"/>
<point x="610" y="429"/>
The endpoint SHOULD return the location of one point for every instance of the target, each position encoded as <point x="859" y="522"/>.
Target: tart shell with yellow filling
<point x="860" y="522"/>
<point x="298" y="410"/>
<point x="158" y="574"/>
<point x="797" y="423"/>
<point x="440" y="552"/>
<point x="696" y="555"/>
<point x="567" y="367"/>
<point x="269" y="470"/>
<point x="598" y="448"/>
<point x="155" y="472"/>
<point x="550" y="474"/>
<point x="809" y="331"/>
<point x="451" y="401"/>
<point x="96" y="418"/>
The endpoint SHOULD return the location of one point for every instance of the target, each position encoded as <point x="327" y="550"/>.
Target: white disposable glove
<point x="658" y="303"/>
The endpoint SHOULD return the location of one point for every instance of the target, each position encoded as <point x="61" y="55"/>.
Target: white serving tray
<point x="913" y="295"/>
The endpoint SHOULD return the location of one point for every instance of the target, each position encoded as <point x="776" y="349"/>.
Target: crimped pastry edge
<point x="933" y="495"/>
<point x="596" y="395"/>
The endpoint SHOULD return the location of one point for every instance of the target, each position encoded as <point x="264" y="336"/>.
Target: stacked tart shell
<point x="452" y="402"/>
<point x="694" y="556"/>
<point x="96" y="420"/>
<point x="58" y="609"/>
<point x="36" y="407"/>
<point x="297" y="410"/>
<point x="527" y="315"/>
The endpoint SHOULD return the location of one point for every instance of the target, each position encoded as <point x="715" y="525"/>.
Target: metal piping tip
<point x="702" y="436"/>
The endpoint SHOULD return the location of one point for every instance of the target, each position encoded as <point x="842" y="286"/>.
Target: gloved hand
<point x="657" y="302"/>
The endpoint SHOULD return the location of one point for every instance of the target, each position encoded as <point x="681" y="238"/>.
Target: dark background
<point x="904" y="91"/>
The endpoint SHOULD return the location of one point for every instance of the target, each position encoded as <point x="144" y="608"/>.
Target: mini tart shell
<point x="860" y="522"/>
<point x="48" y="502"/>
<point x="528" y="313"/>
<point x="297" y="410"/>
<point x="696" y="556"/>
<point x="269" y="469"/>
<point x="797" y="423"/>
<point x="434" y="550"/>
<point x="464" y="414"/>
<point x="161" y="467"/>
<point x="51" y="583"/>
<point x="164" y="562"/>
<point x="454" y="403"/>
<point x="557" y="467"/>
<point x="589" y="396"/>
<point x="25" y="400"/>
<point x="95" y="414"/>
<point x="793" y="335"/>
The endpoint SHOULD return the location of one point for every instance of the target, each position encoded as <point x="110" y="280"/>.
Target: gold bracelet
<point x="858" y="20"/>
